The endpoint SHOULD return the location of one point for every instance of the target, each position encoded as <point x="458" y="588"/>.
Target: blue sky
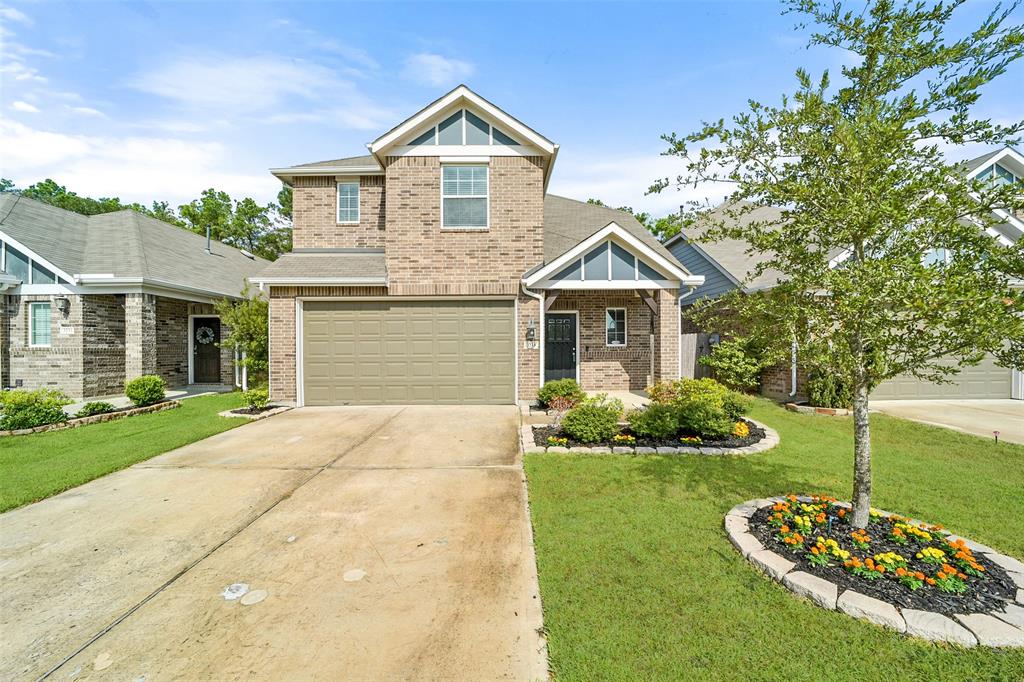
<point x="160" y="100"/>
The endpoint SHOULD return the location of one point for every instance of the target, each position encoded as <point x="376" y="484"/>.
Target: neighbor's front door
<point x="559" y="346"/>
<point x="205" y="352"/>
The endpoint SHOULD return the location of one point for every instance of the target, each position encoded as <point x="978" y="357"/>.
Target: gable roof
<point x="567" y="222"/>
<point x="124" y="245"/>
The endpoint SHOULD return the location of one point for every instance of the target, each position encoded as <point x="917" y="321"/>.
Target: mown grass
<point x="639" y="582"/>
<point x="37" y="466"/>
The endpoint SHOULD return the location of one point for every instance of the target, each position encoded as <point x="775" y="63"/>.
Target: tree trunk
<point x="861" y="456"/>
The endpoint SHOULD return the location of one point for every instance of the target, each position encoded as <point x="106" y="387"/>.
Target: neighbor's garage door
<point x="986" y="380"/>
<point x="408" y="352"/>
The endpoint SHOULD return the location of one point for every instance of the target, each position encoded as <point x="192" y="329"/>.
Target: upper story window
<point x="348" y="202"/>
<point x="464" y="197"/>
<point x="39" y="324"/>
<point x="463" y="128"/>
<point x="615" y="326"/>
<point x="997" y="175"/>
<point x="16" y="263"/>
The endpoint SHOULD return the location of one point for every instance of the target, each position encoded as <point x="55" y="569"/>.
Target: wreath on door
<point x="204" y="335"/>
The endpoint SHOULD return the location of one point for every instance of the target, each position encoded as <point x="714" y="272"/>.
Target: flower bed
<point x="896" y="560"/>
<point x="554" y="436"/>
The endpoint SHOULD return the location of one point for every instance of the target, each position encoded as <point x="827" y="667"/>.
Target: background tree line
<point x="264" y="230"/>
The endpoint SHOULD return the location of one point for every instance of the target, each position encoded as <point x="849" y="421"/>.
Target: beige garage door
<point x="986" y="380"/>
<point x="408" y="352"/>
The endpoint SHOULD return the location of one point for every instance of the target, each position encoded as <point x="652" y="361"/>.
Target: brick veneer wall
<point x="58" y="366"/>
<point x="423" y="259"/>
<point x="173" y="344"/>
<point x="139" y="335"/>
<point x="103" y="362"/>
<point x="666" y="337"/>
<point x="5" y="334"/>
<point x="315" y="214"/>
<point x="528" y="358"/>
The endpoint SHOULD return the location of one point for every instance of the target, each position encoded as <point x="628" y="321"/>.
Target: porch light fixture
<point x="531" y="329"/>
<point x="63" y="305"/>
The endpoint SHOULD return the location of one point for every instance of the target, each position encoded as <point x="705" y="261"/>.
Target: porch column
<point x="139" y="335"/>
<point x="666" y="335"/>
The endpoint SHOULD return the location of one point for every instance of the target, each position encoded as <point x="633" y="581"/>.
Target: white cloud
<point x="11" y="14"/>
<point x="133" y="168"/>
<point x="87" y="111"/>
<point x="433" y="69"/>
<point x="19" y="105"/>
<point x="19" y="72"/>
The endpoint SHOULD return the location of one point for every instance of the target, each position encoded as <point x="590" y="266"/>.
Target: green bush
<point x="90" y="409"/>
<point x="705" y="416"/>
<point x="560" y="388"/>
<point x="145" y="390"/>
<point x="22" y="409"/>
<point x="736" y="363"/>
<point x="594" y="420"/>
<point x="825" y="389"/>
<point x="256" y="398"/>
<point x="703" y="407"/>
<point x="654" y="421"/>
<point x="736" y="405"/>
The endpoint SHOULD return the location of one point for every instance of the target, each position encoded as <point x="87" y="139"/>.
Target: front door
<point x="559" y="346"/>
<point x="205" y="352"/>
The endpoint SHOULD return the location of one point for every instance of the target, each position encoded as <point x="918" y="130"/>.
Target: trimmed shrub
<point x="736" y="404"/>
<point x="828" y="390"/>
<point x="655" y="421"/>
<point x="594" y="420"/>
<point x="705" y="416"/>
<point x="90" y="409"/>
<point x="22" y="409"/>
<point x="560" y="388"/>
<point x="703" y="407"/>
<point x="736" y="363"/>
<point x="145" y="390"/>
<point x="256" y="398"/>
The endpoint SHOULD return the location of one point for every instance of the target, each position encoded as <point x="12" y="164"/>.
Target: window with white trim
<point x="615" y="326"/>
<point x="40" y="323"/>
<point x="464" y="197"/>
<point x="463" y="128"/>
<point x="348" y="202"/>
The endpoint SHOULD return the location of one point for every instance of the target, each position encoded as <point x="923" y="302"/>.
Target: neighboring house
<point x="726" y="266"/>
<point x="437" y="269"/>
<point x="90" y="301"/>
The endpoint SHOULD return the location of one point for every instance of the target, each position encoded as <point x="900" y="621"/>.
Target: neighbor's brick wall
<point x="60" y="365"/>
<point x="666" y="335"/>
<point x="423" y="259"/>
<point x="529" y="358"/>
<point x="776" y="382"/>
<point x="604" y="368"/>
<point x="103" y="362"/>
<point x="315" y="214"/>
<point x="282" y="331"/>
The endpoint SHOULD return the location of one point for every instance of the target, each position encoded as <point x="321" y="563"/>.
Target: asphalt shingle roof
<point x="567" y="222"/>
<point x="126" y="244"/>
<point x="347" y="162"/>
<point x="335" y="264"/>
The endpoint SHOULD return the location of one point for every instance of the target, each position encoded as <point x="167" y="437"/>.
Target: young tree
<point x="246" y="320"/>
<point x="867" y="200"/>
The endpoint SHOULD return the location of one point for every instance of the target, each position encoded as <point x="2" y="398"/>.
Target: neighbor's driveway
<point x="121" y="578"/>
<point x="980" y="417"/>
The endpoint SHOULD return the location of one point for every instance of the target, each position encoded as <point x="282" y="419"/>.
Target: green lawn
<point x="43" y="464"/>
<point x="638" y="580"/>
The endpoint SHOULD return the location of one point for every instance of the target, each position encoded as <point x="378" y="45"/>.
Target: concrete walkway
<point x="176" y="393"/>
<point x="377" y="543"/>
<point x="979" y="417"/>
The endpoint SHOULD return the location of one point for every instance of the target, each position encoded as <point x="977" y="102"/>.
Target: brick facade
<point x="103" y="358"/>
<point x="139" y="335"/>
<point x="315" y="209"/>
<point x="58" y="366"/>
<point x="528" y="309"/>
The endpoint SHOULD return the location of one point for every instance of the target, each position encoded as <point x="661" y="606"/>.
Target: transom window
<point x="39" y="324"/>
<point x="463" y="128"/>
<point x="348" y="202"/>
<point x="615" y="326"/>
<point x="464" y="198"/>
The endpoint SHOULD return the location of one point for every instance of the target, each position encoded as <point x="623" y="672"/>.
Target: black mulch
<point x="246" y="410"/>
<point x="991" y="592"/>
<point x="541" y="433"/>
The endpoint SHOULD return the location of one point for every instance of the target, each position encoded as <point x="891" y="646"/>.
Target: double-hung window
<point x="39" y="324"/>
<point x="348" y="202"/>
<point x="615" y="326"/>
<point x="464" y="197"/>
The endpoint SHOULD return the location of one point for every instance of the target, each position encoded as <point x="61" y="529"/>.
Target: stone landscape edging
<point x="830" y="411"/>
<point x="95" y="418"/>
<point x="995" y="628"/>
<point x="530" y="447"/>
<point x="256" y="417"/>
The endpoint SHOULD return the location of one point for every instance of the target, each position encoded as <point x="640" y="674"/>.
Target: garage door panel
<point x="408" y="352"/>
<point x="985" y="380"/>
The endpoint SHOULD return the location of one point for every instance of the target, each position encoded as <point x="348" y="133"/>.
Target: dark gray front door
<point x="205" y="352"/>
<point x="559" y="346"/>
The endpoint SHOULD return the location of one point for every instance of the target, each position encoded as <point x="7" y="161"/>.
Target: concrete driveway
<point x="391" y="543"/>
<point x="979" y="417"/>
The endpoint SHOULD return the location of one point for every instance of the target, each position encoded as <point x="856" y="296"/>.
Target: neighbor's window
<point x="615" y="326"/>
<point x="41" y="275"/>
<point x="17" y="264"/>
<point x="348" y="202"/>
<point x="39" y="326"/>
<point x="464" y="197"/>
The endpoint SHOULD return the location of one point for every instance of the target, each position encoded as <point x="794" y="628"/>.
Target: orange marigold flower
<point x="930" y="581"/>
<point x="962" y="576"/>
<point x="919" y="575"/>
<point x="784" y="529"/>
<point x="880" y="568"/>
<point x="901" y="571"/>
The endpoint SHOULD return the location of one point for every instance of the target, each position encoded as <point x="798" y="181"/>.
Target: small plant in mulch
<point x="624" y="439"/>
<point x="554" y="441"/>
<point x="257" y="400"/>
<point x="907" y="564"/>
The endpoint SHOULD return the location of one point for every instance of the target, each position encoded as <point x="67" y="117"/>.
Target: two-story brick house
<point x="437" y="269"/>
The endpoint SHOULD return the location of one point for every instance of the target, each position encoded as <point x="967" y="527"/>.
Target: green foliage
<point x="560" y="388"/>
<point x="594" y="420"/>
<point x="145" y="390"/>
<point x="247" y="323"/>
<point x="704" y="415"/>
<point x="737" y="363"/>
<point x="284" y="202"/>
<point x="23" y="409"/>
<point x="654" y="421"/>
<point x="703" y="406"/>
<point x="256" y="399"/>
<point x="94" y="408"/>
<point x="827" y="389"/>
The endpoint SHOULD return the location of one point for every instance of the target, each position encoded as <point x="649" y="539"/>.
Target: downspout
<point x="792" y="377"/>
<point x="540" y="328"/>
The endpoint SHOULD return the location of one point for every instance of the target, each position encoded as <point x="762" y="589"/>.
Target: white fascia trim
<point x="616" y="284"/>
<point x="1007" y="152"/>
<point x="338" y="281"/>
<point x="284" y="173"/>
<point x="480" y="150"/>
<point x="36" y="257"/>
<point x="461" y="93"/>
<point x="613" y="229"/>
<point x="114" y="284"/>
